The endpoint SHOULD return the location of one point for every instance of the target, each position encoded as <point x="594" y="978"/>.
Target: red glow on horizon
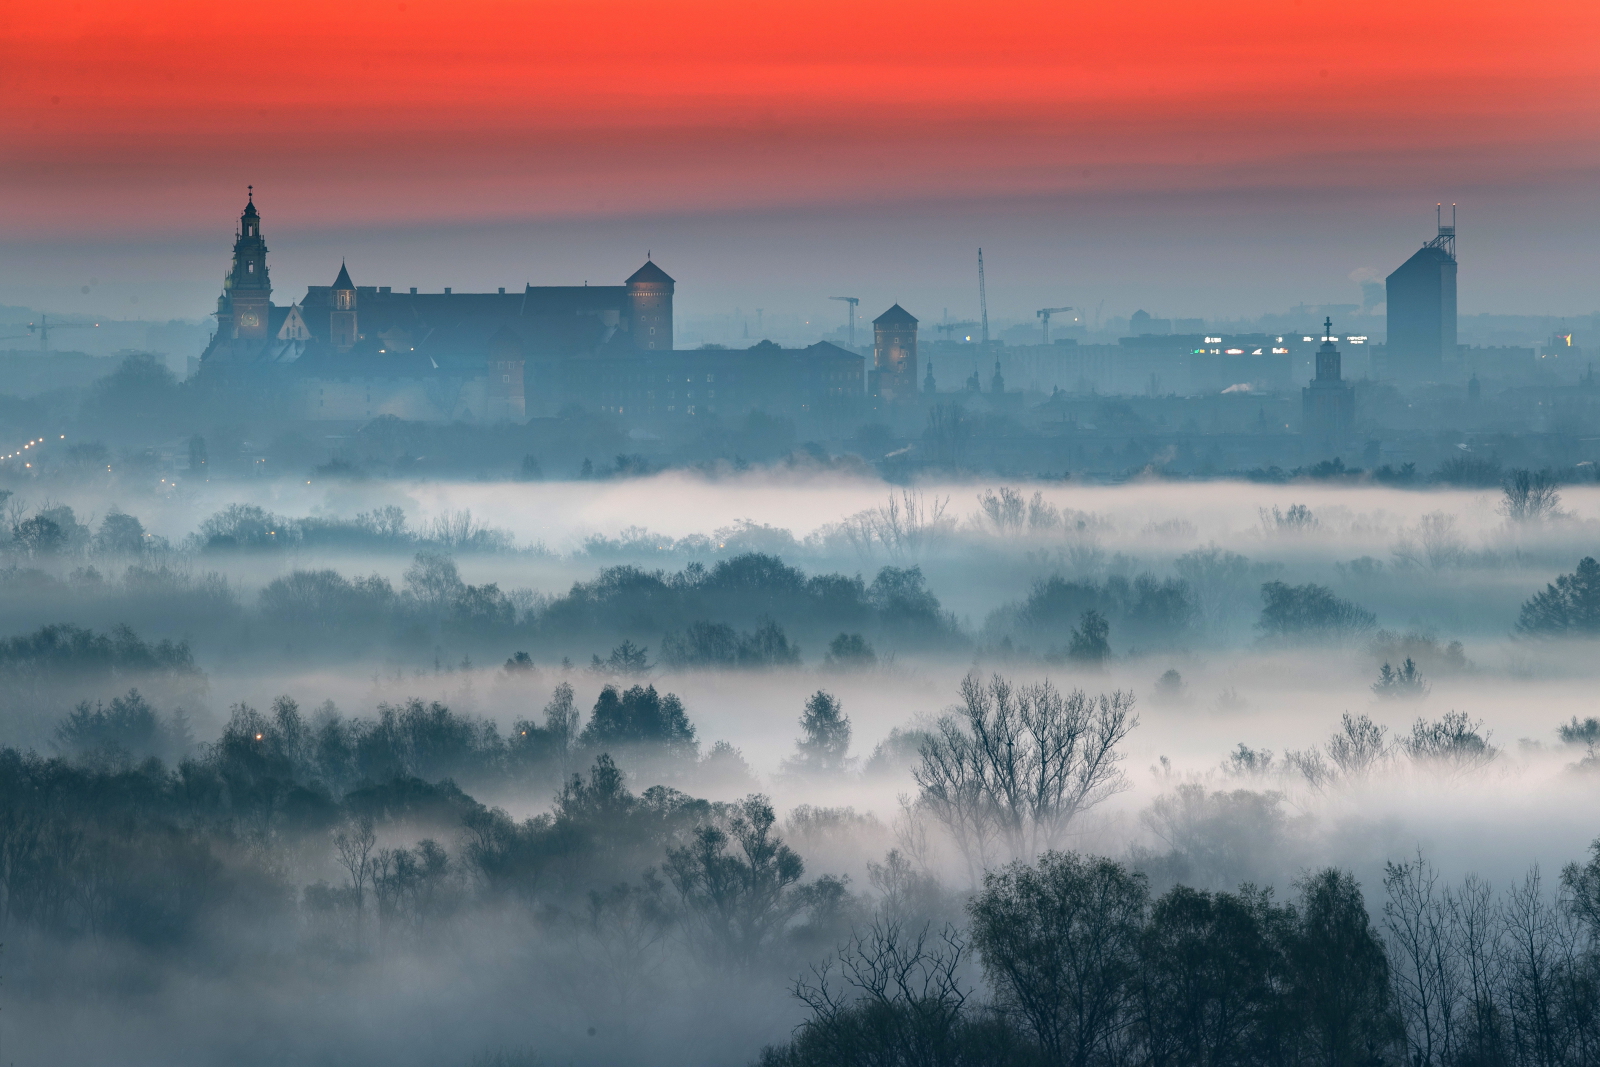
<point x="480" y="110"/>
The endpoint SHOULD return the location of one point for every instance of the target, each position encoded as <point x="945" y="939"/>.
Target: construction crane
<point x="1045" y="313"/>
<point x="983" y="298"/>
<point x="950" y="329"/>
<point x="852" y="301"/>
<point x="43" y="329"/>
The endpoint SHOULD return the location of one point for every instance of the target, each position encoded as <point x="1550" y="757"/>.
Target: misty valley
<point x="799" y="768"/>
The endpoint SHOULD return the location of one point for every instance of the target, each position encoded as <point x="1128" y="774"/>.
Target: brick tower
<point x="894" y="356"/>
<point x="650" y="308"/>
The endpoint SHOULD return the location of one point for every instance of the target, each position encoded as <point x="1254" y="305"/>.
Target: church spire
<point x="247" y="290"/>
<point x="1329" y="367"/>
<point x="342" y="325"/>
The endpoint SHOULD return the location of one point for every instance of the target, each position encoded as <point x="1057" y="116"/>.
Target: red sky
<point x="360" y="122"/>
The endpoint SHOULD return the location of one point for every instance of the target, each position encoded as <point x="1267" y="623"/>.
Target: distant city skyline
<point x="1215" y="161"/>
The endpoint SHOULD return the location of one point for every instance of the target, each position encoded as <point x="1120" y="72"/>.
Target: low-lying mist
<point x="593" y="772"/>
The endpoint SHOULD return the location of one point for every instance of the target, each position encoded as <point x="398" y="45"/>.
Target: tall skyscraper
<point x="1422" y="306"/>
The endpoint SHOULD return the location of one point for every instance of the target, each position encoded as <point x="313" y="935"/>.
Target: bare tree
<point x="952" y="789"/>
<point x="908" y="524"/>
<point x="1478" y="925"/>
<point x="1425" y="960"/>
<point x="1530" y="496"/>
<point x="908" y="979"/>
<point x="1360" y="747"/>
<point x="1017" y="765"/>
<point x="1531" y="979"/>
<point x="353" y="847"/>
<point x="1004" y="508"/>
<point x="1432" y="543"/>
<point x="1454" y="744"/>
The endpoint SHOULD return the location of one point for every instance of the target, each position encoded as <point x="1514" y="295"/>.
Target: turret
<point x="342" y="319"/>
<point x="650" y="308"/>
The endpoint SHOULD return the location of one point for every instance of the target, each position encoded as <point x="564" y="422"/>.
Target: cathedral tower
<point x="246" y="291"/>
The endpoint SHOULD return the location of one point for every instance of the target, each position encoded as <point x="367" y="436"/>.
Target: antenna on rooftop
<point x="1446" y="240"/>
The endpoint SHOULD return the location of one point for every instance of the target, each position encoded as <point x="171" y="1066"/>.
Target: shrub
<point x="1310" y="610"/>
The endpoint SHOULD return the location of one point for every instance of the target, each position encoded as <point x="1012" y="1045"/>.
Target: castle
<point x="351" y="352"/>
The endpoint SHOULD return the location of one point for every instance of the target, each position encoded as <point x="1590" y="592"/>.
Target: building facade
<point x="1422" y="308"/>
<point x="350" y="352"/>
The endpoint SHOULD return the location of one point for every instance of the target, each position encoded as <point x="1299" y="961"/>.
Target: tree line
<point x="1084" y="968"/>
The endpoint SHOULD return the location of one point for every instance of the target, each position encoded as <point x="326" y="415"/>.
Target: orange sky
<point x="474" y="109"/>
<point x="408" y="113"/>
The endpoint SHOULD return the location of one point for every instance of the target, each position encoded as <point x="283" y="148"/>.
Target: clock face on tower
<point x="249" y="318"/>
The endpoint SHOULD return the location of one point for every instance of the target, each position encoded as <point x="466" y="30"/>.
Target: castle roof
<point x="895" y="316"/>
<point x="343" y="280"/>
<point x="650" y="273"/>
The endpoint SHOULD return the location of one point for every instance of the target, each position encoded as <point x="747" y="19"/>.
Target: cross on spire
<point x="250" y="192"/>
<point x="1327" y="329"/>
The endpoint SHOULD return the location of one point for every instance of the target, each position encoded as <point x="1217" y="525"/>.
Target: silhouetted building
<point x="246" y="301"/>
<point x="894" y="357"/>
<point x="1329" y="401"/>
<point x="1422" y="307"/>
<point x="819" y="379"/>
<point x="928" y="385"/>
<point x="1141" y="324"/>
<point x="352" y="352"/>
<point x="997" y="384"/>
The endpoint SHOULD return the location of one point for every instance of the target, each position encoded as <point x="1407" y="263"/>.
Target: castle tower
<point x="246" y="292"/>
<point x="650" y="307"/>
<point x="342" y="320"/>
<point x="894" y="356"/>
<point x="997" y="384"/>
